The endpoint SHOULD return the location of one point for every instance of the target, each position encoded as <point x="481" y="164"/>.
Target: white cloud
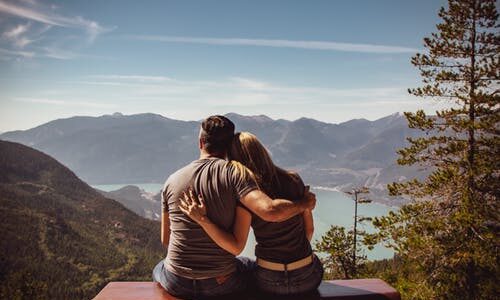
<point x="41" y="18"/>
<point x="137" y="78"/>
<point x="244" y="92"/>
<point x="16" y="53"/>
<point x="22" y="42"/>
<point x="250" y="83"/>
<point x="47" y="17"/>
<point x="59" y="102"/>
<point x="313" y="45"/>
<point x="17" y="35"/>
<point x="57" y="53"/>
<point x="13" y="9"/>
<point x="16" y="31"/>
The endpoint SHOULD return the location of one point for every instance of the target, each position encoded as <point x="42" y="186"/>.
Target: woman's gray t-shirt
<point x="191" y="252"/>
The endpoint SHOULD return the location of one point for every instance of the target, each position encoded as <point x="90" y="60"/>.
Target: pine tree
<point x="342" y="259"/>
<point x="345" y="258"/>
<point x="450" y="229"/>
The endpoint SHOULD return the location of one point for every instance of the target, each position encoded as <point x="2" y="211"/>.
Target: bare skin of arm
<point x="308" y="223"/>
<point x="277" y="210"/>
<point x="231" y="242"/>
<point x="165" y="228"/>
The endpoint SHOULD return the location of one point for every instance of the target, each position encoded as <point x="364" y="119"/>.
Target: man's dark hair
<point x="217" y="134"/>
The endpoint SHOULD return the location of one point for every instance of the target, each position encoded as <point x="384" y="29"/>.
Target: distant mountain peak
<point x="256" y="118"/>
<point x="398" y="114"/>
<point x="392" y="118"/>
<point x="117" y="114"/>
<point x="309" y="121"/>
<point x="355" y="122"/>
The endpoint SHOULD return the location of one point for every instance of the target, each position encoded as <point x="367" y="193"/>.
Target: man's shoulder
<point x="217" y="161"/>
<point x="180" y="173"/>
<point x="212" y="164"/>
<point x="189" y="169"/>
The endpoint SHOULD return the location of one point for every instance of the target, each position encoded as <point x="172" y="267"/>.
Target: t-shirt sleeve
<point x="164" y="197"/>
<point x="239" y="204"/>
<point x="241" y="179"/>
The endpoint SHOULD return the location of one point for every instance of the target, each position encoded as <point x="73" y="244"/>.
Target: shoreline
<point x="117" y="186"/>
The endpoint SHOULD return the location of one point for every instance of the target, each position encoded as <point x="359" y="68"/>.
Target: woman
<point x="285" y="262"/>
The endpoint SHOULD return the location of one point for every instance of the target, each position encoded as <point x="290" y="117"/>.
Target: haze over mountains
<point x="148" y="147"/>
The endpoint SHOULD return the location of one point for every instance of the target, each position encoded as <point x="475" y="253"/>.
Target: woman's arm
<point x="308" y="223"/>
<point x="231" y="242"/>
<point x="307" y="215"/>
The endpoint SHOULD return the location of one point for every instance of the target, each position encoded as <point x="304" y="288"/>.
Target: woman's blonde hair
<point x="249" y="151"/>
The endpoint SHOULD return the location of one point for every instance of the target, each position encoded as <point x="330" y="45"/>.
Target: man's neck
<point x="205" y="154"/>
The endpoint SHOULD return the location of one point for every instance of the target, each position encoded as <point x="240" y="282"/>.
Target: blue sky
<point x="328" y="60"/>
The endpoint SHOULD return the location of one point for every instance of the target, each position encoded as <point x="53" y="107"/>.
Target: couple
<point x="208" y="207"/>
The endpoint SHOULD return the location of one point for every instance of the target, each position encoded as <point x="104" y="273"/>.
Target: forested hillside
<point x="60" y="238"/>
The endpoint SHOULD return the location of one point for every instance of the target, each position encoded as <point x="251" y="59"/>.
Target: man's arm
<point x="165" y="228"/>
<point x="277" y="210"/>
<point x="165" y="219"/>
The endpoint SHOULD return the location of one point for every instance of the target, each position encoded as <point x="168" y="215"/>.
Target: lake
<point x="332" y="208"/>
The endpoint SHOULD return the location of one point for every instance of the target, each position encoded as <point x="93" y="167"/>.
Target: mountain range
<point x="61" y="239"/>
<point x="148" y="147"/>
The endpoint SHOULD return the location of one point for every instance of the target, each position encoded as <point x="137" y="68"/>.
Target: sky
<point x="330" y="60"/>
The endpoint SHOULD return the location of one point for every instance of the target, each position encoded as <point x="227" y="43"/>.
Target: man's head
<point x="216" y="134"/>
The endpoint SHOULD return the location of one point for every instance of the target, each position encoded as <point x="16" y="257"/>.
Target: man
<point x="195" y="265"/>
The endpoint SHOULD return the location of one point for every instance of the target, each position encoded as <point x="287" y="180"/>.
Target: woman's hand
<point x="194" y="207"/>
<point x="233" y="242"/>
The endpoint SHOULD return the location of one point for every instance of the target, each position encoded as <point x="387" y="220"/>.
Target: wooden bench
<point x="369" y="289"/>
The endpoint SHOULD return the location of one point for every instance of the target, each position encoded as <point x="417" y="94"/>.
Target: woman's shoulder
<point x="291" y="183"/>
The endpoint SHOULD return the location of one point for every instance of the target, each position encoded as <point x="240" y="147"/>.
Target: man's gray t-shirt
<point x="191" y="252"/>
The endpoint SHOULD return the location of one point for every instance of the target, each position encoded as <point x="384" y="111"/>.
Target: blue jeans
<point x="299" y="281"/>
<point x="183" y="287"/>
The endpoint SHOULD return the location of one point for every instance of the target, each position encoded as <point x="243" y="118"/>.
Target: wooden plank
<point x="134" y="291"/>
<point x="358" y="289"/>
<point x="368" y="289"/>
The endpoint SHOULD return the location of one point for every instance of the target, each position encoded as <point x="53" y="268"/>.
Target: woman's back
<point x="282" y="242"/>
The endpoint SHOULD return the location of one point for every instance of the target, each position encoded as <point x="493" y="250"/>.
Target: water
<point x="337" y="208"/>
<point x="332" y="208"/>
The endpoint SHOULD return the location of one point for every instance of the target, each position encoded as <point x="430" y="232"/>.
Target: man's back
<point x="191" y="252"/>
